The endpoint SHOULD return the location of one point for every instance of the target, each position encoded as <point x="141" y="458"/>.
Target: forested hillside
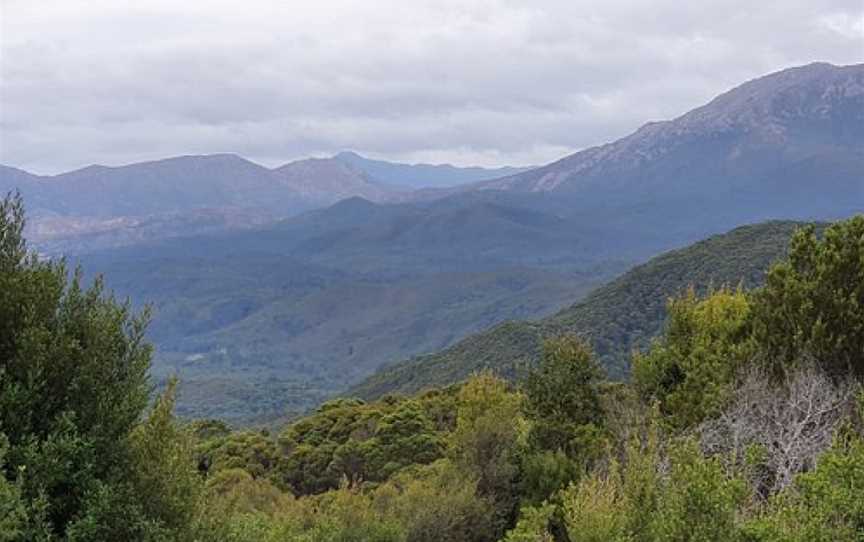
<point x="615" y="319"/>
<point x="271" y="321"/>
<point x="742" y="423"/>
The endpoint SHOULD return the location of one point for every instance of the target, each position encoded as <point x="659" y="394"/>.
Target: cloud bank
<point x="483" y="82"/>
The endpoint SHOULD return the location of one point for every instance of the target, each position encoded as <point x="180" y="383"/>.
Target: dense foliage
<point x="719" y="437"/>
<point x="812" y="302"/>
<point x="77" y="461"/>
<point x="691" y="367"/>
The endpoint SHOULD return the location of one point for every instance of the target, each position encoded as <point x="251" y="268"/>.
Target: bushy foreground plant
<point x="812" y="305"/>
<point x="691" y="369"/>
<point x="79" y="463"/>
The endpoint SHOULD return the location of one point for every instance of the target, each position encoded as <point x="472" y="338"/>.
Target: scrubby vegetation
<point x="742" y="422"/>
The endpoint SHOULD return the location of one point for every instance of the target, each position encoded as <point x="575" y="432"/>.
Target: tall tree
<point x="562" y="396"/>
<point x="73" y="386"/>
<point x="812" y="304"/>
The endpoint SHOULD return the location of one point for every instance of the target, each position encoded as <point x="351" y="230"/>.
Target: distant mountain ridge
<point x="416" y="176"/>
<point x="100" y="206"/>
<point x="192" y="182"/>
<point x="786" y="145"/>
<point x="217" y="180"/>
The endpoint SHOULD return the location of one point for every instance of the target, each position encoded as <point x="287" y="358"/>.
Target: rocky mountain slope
<point x="744" y="142"/>
<point x="789" y="145"/>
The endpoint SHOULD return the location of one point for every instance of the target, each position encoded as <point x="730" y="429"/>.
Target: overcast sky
<point x="486" y="82"/>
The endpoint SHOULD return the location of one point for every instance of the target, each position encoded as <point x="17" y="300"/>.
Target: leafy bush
<point x="73" y="387"/>
<point x="533" y="525"/>
<point x="487" y="442"/>
<point x="691" y="369"/>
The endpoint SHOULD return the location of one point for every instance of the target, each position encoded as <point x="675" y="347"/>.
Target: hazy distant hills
<point x="100" y="207"/>
<point x="172" y="185"/>
<point x="617" y="318"/>
<point x="787" y="145"/>
<point x="423" y="175"/>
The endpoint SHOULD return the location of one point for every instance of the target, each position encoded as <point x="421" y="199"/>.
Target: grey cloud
<point x="485" y="81"/>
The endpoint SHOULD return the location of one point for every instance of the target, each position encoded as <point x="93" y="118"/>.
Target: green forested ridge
<point x="616" y="318"/>
<point x="726" y="433"/>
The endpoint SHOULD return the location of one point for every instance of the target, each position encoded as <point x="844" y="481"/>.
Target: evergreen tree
<point x="812" y="304"/>
<point x="73" y="386"/>
<point x="562" y="397"/>
<point x="562" y="403"/>
<point x="691" y="369"/>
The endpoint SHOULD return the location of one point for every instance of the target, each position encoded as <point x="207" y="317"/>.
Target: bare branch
<point x="793" y="422"/>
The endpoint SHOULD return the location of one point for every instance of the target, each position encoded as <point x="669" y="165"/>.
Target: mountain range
<point x="261" y="306"/>
<point x="98" y="206"/>
<point x="419" y="176"/>
<point x="769" y="133"/>
<point x="787" y="145"/>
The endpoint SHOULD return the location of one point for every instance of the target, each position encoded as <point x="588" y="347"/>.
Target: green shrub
<point x="690" y="370"/>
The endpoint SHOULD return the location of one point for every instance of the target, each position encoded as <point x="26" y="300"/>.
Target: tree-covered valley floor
<point x="742" y="421"/>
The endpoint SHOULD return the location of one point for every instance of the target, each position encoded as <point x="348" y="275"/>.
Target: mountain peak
<point x="348" y="155"/>
<point x="766" y="125"/>
<point x="354" y="203"/>
<point x="802" y="91"/>
<point x="221" y="158"/>
<point x="13" y="169"/>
